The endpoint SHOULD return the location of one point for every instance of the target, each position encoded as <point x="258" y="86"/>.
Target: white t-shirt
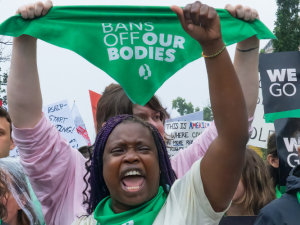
<point x="186" y="204"/>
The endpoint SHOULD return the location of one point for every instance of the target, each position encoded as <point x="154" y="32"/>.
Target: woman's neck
<point x="236" y="210"/>
<point x="13" y="222"/>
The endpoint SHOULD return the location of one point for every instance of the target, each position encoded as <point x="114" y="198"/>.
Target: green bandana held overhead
<point x="138" y="46"/>
<point x="143" y="215"/>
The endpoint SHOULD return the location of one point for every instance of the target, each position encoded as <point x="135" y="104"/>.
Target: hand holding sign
<point x="201" y="22"/>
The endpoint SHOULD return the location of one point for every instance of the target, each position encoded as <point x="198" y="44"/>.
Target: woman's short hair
<point x="259" y="190"/>
<point x="114" y="101"/>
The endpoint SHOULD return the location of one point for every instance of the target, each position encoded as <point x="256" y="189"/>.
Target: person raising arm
<point x="246" y="66"/>
<point x="49" y="161"/>
<point x="43" y="160"/>
<point x="131" y="167"/>
<point x="222" y="165"/>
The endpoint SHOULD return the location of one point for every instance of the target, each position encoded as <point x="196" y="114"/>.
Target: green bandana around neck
<point x="143" y="215"/>
<point x="280" y="190"/>
<point x="138" y="46"/>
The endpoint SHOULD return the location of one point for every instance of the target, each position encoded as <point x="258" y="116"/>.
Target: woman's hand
<point x="37" y="9"/>
<point x="246" y="58"/>
<point x="201" y="22"/>
<point x="245" y="13"/>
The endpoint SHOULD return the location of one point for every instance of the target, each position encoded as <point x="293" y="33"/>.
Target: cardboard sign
<point x="60" y="116"/>
<point x="261" y="129"/>
<point x="288" y="140"/>
<point x="280" y="74"/>
<point x="182" y="134"/>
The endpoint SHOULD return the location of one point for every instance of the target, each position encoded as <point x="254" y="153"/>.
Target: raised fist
<point x="201" y="22"/>
<point x="37" y="9"/>
<point x="242" y="12"/>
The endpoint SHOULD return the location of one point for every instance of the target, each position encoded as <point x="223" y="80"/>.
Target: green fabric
<point x="81" y="29"/>
<point x="271" y="117"/>
<point x="143" y="215"/>
<point x="298" y="197"/>
<point x="279" y="191"/>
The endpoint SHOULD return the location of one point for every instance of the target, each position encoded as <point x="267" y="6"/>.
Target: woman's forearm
<point x="23" y="87"/>
<point x="246" y="66"/>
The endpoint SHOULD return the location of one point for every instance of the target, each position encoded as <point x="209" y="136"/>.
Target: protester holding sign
<point x="285" y="210"/>
<point x="63" y="167"/>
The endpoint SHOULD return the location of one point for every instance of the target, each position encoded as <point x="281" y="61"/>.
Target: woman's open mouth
<point x="133" y="181"/>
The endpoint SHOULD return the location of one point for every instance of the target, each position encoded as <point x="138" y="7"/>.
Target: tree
<point x="4" y="42"/>
<point x="262" y="51"/>
<point x="287" y="28"/>
<point x="3" y="83"/>
<point x="207" y="112"/>
<point x="197" y="109"/>
<point x="4" y="57"/>
<point x="183" y="107"/>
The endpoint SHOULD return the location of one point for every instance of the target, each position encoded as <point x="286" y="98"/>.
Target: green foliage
<point x="207" y="113"/>
<point x="3" y="83"/>
<point x="182" y="107"/>
<point x="287" y="26"/>
<point x="197" y="109"/>
<point x="262" y="51"/>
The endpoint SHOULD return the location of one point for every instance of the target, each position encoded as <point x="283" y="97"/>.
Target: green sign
<point x="139" y="46"/>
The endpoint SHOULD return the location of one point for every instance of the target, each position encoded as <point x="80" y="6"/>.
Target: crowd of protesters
<point x="127" y="177"/>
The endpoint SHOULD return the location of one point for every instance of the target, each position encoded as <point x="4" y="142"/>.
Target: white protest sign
<point x="60" y="116"/>
<point x="14" y="153"/>
<point x="183" y="133"/>
<point x="261" y="129"/>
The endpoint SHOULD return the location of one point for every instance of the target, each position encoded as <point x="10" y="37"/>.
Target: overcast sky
<point x="65" y="75"/>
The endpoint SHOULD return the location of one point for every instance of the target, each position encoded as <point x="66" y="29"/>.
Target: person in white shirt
<point x="131" y="180"/>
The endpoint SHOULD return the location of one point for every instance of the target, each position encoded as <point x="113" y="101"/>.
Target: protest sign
<point x="280" y="74"/>
<point x="14" y="153"/>
<point x="138" y="46"/>
<point x="261" y="129"/>
<point x="60" y="116"/>
<point x="288" y="140"/>
<point x="80" y="126"/>
<point x="182" y="134"/>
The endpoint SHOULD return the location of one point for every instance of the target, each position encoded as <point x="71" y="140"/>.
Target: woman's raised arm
<point x="222" y="165"/>
<point x="23" y="87"/>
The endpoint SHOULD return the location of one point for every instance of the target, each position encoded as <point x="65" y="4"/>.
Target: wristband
<point x="214" y="55"/>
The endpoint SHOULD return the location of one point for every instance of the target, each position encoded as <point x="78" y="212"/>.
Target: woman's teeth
<point x="133" y="173"/>
<point x="133" y="188"/>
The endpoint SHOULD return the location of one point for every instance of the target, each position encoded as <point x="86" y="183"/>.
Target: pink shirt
<point x="56" y="171"/>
